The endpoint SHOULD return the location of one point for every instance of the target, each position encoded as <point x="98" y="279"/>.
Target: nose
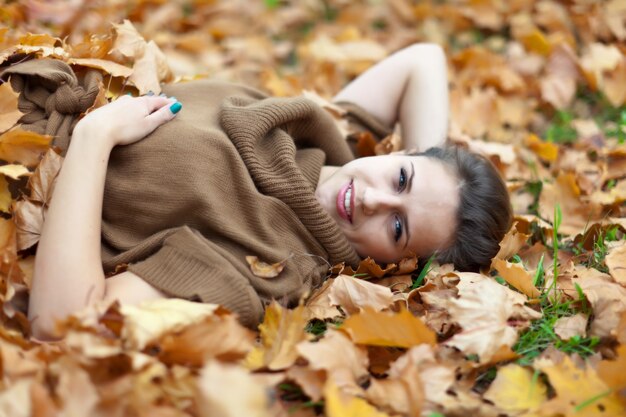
<point x="375" y="201"/>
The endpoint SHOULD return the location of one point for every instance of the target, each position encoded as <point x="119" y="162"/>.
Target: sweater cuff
<point x="183" y="276"/>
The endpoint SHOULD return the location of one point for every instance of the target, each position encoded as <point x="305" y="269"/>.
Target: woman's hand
<point x="127" y="119"/>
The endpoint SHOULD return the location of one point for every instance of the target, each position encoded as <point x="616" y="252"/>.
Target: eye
<point x="397" y="228"/>
<point x="402" y="179"/>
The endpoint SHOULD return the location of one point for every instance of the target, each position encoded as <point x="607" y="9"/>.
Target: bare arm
<point x="68" y="272"/>
<point x="409" y="87"/>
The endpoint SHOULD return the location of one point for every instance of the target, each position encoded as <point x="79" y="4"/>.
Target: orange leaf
<point x="9" y="114"/>
<point x="400" y="329"/>
<point x="22" y="146"/>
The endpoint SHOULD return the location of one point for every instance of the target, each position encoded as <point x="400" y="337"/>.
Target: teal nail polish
<point x="175" y="108"/>
<point x="128" y="94"/>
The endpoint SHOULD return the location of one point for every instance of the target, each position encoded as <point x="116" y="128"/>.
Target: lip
<point x="341" y="195"/>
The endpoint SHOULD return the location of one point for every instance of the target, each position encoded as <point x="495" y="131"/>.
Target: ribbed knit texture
<point x="232" y="175"/>
<point x="51" y="96"/>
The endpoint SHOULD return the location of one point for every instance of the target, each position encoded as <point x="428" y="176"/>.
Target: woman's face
<point x="393" y="206"/>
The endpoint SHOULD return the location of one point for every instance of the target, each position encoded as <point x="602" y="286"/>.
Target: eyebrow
<point x="406" y="220"/>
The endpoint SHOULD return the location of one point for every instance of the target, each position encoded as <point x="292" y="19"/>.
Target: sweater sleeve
<point x="188" y="266"/>
<point x="361" y="120"/>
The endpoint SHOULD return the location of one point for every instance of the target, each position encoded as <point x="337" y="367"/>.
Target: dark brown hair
<point x="484" y="214"/>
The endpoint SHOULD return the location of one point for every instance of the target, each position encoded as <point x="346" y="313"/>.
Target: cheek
<point x="371" y="240"/>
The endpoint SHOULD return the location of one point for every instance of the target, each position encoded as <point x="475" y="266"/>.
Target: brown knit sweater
<point x="233" y="175"/>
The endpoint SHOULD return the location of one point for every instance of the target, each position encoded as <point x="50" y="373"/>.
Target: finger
<point x="164" y="114"/>
<point x="155" y="103"/>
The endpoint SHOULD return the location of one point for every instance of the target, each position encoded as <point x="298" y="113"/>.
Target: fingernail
<point x="175" y="108"/>
<point x="150" y="93"/>
<point x="128" y="94"/>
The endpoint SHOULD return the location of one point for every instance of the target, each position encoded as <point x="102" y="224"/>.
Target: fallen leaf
<point x="110" y="67"/>
<point x="28" y="217"/>
<point x="336" y="406"/>
<point x="515" y="390"/>
<point x="150" y="69"/>
<point x="9" y="113"/>
<point x="484" y="310"/>
<point x="607" y="299"/>
<point x="41" y="183"/>
<point x="518" y="277"/>
<point x="547" y="151"/>
<point x="616" y="262"/>
<point x="344" y="363"/>
<point x="511" y="243"/>
<point x="578" y="389"/>
<point x="23" y="147"/>
<point x="150" y="320"/>
<point x="612" y="371"/>
<point x="265" y="270"/>
<point x="319" y="306"/>
<point x="354" y="294"/>
<point x="14" y="171"/>
<point x="231" y="391"/>
<point x="570" y="326"/>
<point x="282" y="329"/>
<point x="402" y="329"/>
<point x="5" y="195"/>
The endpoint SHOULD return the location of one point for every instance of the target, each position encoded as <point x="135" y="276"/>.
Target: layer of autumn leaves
<point x="369" y="342"/>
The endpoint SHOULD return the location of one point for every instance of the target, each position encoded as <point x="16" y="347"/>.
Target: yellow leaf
<point x="535" y="41"/>
<point x="14" y="171"/>
<point x="109" y="67"/>
<point x="9" y="114"/>
<point x="264" y="270"/>
<point x="5" y="195"/>
<point x="544" y="150"/>
<point x="335" y="406"/>
<point x="515" y="390"/>
<point x="22" y="146"/>
<point x="578" y="391"/>
<point x="517" y="276"/>
<point x="282" y="329"/>
<point x="402" y="329"/>
<point x="612" y="371"/>
<point x="150" y="320"/>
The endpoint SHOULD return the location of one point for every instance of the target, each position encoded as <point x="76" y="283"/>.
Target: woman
<point x="238" y="174"/>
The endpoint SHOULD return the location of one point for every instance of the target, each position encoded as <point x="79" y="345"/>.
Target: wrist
<point x="98" y="141"/>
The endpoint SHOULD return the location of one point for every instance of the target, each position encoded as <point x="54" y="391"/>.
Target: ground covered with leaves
<point x="539" y="87"/>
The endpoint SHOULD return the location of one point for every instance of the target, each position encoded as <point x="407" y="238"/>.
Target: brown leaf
<point x="110" y="67"/>
<point x="483" y="310"/>
<point x="265" y="270"/>
<point x="41" y="183"/>
<point x="608" y="300"/>
<point x="344" y="363"/>
<point x="568" y="327"/>
<point x="612" y="371"/>
<point x="23" y="147"/>
<point x="354" y="294"/>
<point x="9" y="113"/>
<point x="511" y="243"/>
<point x="28" y="217"/>
<point x="401" y="329"/>
<point x="319" y="306"/>
<point x="231" y="391"/>
<point x="616" y="262"/>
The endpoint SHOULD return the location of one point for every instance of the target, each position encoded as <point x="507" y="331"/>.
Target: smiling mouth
<point x="345" y="201"/>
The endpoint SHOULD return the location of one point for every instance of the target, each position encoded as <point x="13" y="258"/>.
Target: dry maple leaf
<point x="23" y="147"/>
<point x="515" y="391"/>
<point x="319" y="306"/>
<point x="578" y="388"/>
<point x="9" y="113"/>
<point x="337" y="405"/>
<point x="612" y="371"/>
<point x="511" y="243"/>
<point x="517" y="276"/>
<point x="568" y="327"/>
<point x="607" y="299"/>
<point x="344" y="363"/>
<point x="231" y="391"/>
<point x="484" y="310"/>
<point x="401" y="329"/>
<point x="616" y="262"/>
<point x="282" y="329"/>
<point x="354" y="294"/>
<point x="264" y="270"/>
<point x="152" y="319"/>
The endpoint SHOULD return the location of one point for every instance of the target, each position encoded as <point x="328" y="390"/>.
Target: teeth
<point x="347" y="201"/>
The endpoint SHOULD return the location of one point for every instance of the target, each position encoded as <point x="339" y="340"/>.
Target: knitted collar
<point x="265" y="134"/>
